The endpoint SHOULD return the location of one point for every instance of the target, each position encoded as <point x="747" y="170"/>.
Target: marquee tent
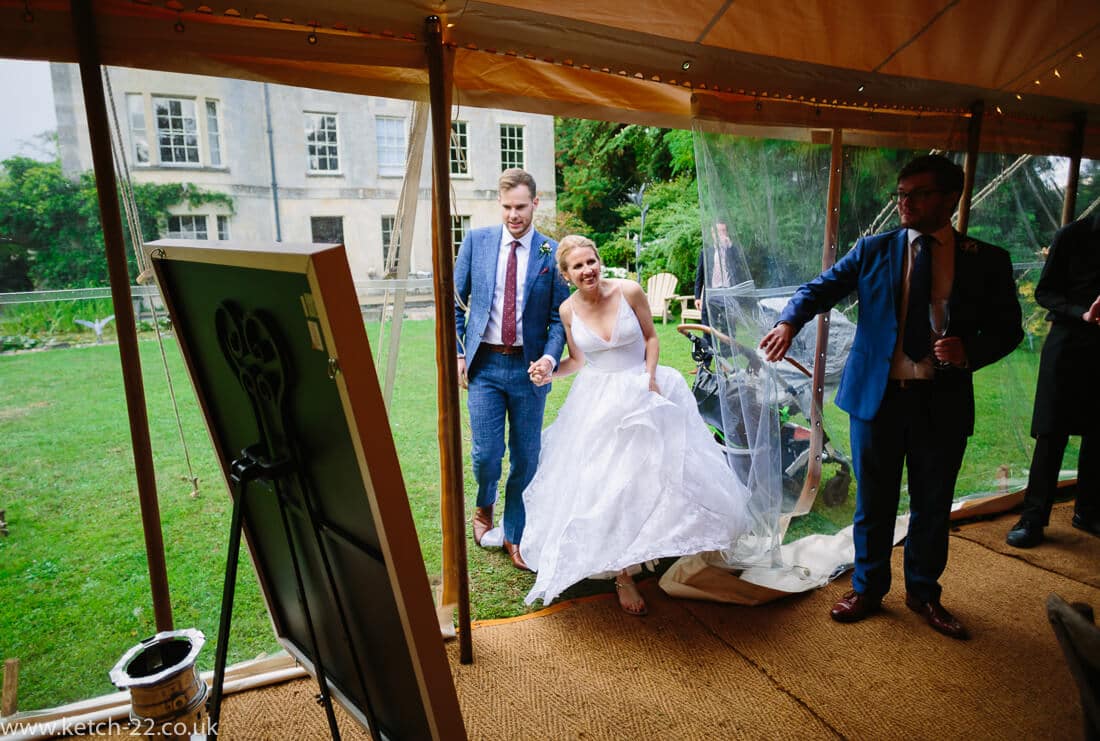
<point x="814" y="64"/>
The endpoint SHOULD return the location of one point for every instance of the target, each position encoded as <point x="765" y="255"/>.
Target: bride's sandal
<point x="630" y="599"/>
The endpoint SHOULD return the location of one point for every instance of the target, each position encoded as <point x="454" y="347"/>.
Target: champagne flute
<point x="939" y="316"/>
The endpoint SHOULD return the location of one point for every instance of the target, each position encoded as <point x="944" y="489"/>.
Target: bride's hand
<point x="653" y="385"/>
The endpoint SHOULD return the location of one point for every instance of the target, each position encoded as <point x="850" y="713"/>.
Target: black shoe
<point x="1090" y="525"/>
<point x="1025" y="534"/>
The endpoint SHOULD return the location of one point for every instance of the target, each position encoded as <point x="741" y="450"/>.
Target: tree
<point x="50" y="235"/>
<point x="599" y="163"/>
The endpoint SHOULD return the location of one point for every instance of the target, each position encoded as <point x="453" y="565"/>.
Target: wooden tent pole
<point x="99" y="134"/>
<point x="1077" y="145"/>
<point x="456" y="586"/>
<point x="828" y="258"/>
<point x="970" y="166"/>
<point x="405" y="229"/>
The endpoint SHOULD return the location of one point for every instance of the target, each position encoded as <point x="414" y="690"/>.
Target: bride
<point x="629" y="472"/>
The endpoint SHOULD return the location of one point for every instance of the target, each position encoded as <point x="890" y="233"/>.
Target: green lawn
<point x="74" y="592"/>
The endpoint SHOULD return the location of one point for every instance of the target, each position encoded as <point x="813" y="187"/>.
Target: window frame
<point x="511" y="137"/>
<point x="458" y="150"/>
<point x="194" y="232"/>
<point x="172" y="133"/>
<point x="386" y="149"/>
<point x="322" y="118"/>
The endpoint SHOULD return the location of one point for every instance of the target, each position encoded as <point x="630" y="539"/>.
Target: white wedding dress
<point x="625" y="475"/>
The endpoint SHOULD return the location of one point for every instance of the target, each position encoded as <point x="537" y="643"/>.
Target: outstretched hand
<point x="1092" y="316"/>
<point x="777" y="342"/>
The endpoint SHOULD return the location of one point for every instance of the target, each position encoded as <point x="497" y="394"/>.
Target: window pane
<point x="321" y="142"/>
<point x="459" y="163"/>
<point x="511" y="146"/>
<point x="188" y="226"/>
<point x="387" y="239"/>
<point x="460" y="225"/>
<point x="176" y="127"/>
<point x="213" y="133"/>
<point x="390" y="133"/>
<point x="223" y="228"/>
<point x="327" y="229"/>
<point x="135" y="111"/>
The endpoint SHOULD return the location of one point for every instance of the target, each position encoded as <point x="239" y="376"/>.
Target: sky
<point x="25" y="88"/>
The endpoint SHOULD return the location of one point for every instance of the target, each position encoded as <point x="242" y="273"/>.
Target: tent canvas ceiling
<point x="1034" y="64"/>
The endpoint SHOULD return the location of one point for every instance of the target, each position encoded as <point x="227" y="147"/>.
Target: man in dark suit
<point x="507" y="292"/>
<point x="1066" y="398"/>
<point x="911" y="400"/>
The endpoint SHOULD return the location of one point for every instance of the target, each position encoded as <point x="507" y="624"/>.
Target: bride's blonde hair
<point x="568" y="244"/>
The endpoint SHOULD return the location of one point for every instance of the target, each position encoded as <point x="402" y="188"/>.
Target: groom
<point x="507" y="292"/>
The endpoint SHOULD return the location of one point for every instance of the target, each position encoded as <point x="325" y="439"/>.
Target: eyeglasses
<point x="897" y="196"/>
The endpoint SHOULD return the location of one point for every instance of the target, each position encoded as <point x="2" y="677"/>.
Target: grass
<point x="74" y="592"/>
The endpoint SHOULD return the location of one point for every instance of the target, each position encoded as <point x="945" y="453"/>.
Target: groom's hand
<point x="462" y="380"/>
<point x="541" y="371"/>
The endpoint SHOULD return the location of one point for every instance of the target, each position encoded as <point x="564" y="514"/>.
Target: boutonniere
<point x="544" y="248"/>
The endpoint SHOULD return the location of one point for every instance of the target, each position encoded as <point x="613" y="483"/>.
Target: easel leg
<point x="228" y="591"/>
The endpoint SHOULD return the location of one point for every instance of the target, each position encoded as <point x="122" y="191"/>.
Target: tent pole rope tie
<point x="145" y="271"/>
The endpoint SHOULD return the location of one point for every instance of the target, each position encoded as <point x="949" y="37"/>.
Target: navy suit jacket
<point x="985" y="314"/>
<point x="544" y="290"/>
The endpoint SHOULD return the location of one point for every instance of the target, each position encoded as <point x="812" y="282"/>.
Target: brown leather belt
<point x="503" y="349"/>
<point x="909" y="384"/>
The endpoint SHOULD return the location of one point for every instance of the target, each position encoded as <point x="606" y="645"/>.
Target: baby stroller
<point x="743" y="408"/>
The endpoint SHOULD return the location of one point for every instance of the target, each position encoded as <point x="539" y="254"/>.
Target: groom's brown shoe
<point x="483" y="522"/>
<point x="854" y="607"/>
<point x="517" y="560"/>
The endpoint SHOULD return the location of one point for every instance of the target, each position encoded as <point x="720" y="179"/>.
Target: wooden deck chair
<point x="690" y="310"/>
<point x="660" y="289"/>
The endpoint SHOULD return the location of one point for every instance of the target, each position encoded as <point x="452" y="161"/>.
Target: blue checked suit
<point x="499" y="388"/>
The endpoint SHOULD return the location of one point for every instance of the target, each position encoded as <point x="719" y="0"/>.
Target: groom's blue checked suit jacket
<point x="544" y="290"/>
<point x="984" y="310"/>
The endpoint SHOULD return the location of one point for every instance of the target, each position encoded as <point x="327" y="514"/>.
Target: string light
<point x="311" y="39"/>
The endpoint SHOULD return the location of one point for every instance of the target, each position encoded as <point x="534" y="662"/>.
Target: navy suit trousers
<point x="919" y="427"/>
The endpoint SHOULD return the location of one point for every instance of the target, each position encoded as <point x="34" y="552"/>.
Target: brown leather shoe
<point x="517" y="560"/>
<point x="854" y="606"/>
<point x="938" y="617"/>
<point x="483" y="522"/>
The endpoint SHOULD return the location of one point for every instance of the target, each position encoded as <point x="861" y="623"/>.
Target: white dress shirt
<point x="496" y="314"/>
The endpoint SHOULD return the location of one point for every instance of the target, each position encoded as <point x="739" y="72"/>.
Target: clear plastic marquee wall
<point x="764" y="204"/>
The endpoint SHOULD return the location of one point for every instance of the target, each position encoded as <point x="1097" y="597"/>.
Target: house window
<point x="460" y="165"/>
<point x="188" y="226"/>
<point x="177" y="131"/>
<point x="223" y="228"/>
<point x="139" y="139"/>
<point x="459" y="226"/>
<point x="327" y="229"/>
<point x="322" y="146"/>
<point x="511" y="146"/>
<point x="388" y="223"/>
<point x="213" y="134"/>
<point x="391" y="146"/>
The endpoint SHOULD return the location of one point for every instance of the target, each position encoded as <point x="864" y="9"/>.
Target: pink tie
<point x="508" y="323"/>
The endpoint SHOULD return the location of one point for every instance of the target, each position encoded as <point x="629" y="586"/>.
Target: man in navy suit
<point x="507" y="293"/>
<point x="911" y="399"/>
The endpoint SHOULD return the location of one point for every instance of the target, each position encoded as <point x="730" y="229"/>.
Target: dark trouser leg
<point x="1042" y="479"/>
<point x="1088" y="477"/>
<point x="487" y="405"/>
<point x="934" y="454"/>
<point x="525" y="410"/>
<point x="877" y="450"/>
